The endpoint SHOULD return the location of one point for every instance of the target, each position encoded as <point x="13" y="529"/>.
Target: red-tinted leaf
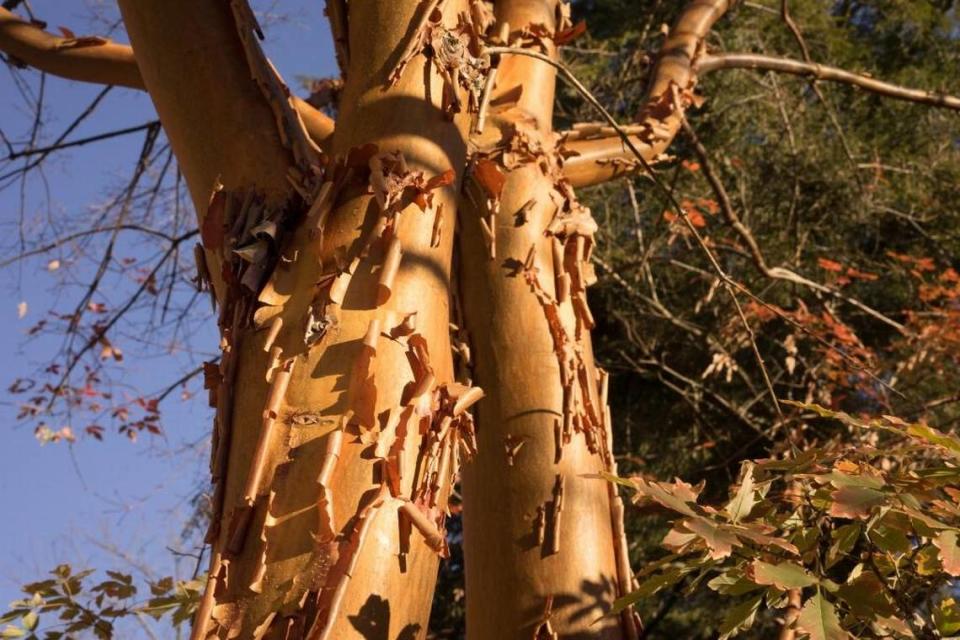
<point x="829" y="265"/>
<point x="571" y="34"/>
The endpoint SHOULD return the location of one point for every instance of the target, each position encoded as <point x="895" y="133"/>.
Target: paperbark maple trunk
<point x="309" y="365"/>
<point x="532" y="522"/>
<point x="339" y="425"/>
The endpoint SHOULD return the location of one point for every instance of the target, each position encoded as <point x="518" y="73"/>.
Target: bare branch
<point x="776" y="273"/>
<point x="817" y="71"/>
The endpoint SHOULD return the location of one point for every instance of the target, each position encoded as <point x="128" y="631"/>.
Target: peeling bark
<point x="532" y="521"/>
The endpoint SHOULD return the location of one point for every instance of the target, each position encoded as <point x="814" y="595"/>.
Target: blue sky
<point x="111" y="504"/>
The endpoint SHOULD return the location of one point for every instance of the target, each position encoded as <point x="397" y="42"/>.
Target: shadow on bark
<point x="373" y="621"/>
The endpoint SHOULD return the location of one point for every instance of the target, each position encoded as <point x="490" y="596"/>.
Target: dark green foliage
<point x="878" y="225"/>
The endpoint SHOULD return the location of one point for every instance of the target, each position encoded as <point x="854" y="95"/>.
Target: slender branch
<point x="59" y="242"/>
<point x="817" y="71"/>
<point x="81" y="141"/>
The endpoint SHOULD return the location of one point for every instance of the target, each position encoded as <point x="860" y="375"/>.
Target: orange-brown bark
<point x="603" y="158"/>
<point x="534" y="527"/>
<point x="337" y="415"/>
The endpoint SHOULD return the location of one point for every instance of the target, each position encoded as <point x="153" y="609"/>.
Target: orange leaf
<point x="829" y="265"/>
<point x="571" y="34"/>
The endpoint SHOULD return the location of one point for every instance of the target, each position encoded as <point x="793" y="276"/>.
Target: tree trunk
<point x="314" y="517"/>
<point x="340" y="428"/>
<point x="533" y="524"/>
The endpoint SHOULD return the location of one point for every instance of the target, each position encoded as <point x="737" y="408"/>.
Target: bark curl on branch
<point x="602" y="159"/>
<point x="97" y="60"/>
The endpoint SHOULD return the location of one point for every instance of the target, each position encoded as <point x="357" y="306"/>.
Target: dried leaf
<point x="854" y="501"/>
<point x="743" y="502"/>
<point x="946" y="541"/>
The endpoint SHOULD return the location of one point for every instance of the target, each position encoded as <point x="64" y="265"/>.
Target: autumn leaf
<point x="946" y="541"/>
<point x="569" y="35"/>
<point x="854" y="502"/>
<point x="742" y="503"/>
<point x="719" y="541"/>
<point x="785" y="575"/>
<point x="21" y="310"/>
<point x="819" y="618"/>
<point x="829" y="265"/>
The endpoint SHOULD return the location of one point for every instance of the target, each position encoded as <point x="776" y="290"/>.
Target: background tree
<point x="341" y="360"/>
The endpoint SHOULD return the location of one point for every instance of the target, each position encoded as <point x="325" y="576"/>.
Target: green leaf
<point x="785" y="575"/>
<point x="719" y="540"/>
<point x="649" y="587"/>
<point x="30" y="621"/>
<point x="865" y="597"/>
<point x="819" y="618"/>
<point x="743" y="502"/>
<point x="839" y="480"/>
<point x="732" y="583"/>
<point x="741" y="617"/>
<point x="940" y="439"/>
<point x="843" y="540"/>
<point x="889" y="537"/>
<point x="10" y="631"/>
<point x="947" y="617"/>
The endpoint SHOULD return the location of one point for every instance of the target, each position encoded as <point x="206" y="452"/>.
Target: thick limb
<point x="102" y="63"/>
<point x="606" y="157"/>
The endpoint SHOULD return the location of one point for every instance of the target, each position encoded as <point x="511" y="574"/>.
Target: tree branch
<point x="103" y="62"/>
<point x="601" y="154"/>
<point x="823" y="72"/>
<point x="600" y="160"/>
